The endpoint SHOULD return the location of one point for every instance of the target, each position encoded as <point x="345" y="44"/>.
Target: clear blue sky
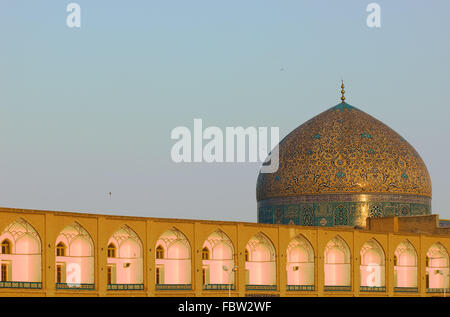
<point x="88" y="111"/>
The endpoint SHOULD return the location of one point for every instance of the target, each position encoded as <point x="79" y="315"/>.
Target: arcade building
<point x="348" y="213"/>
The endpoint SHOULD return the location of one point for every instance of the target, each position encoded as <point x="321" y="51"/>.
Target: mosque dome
<point x="344" y="155"/>
<point x="345" y="150"/>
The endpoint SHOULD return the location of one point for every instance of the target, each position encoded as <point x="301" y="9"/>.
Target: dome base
<point x="329" y="210"/>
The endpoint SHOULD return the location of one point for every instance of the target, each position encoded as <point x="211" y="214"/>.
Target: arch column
<point x="240" y="247"/>
<point x="149" y="259"/>
<point x="322" y="240"/>
<point x="49" y="283"/>
<point x="421" y="267"/>
<point x="281" y="262"/>
<point x="390" y="265"/>
<point x="355" y="281"/>
<point x="101" y="260"/>
<point x="197" y="263"/>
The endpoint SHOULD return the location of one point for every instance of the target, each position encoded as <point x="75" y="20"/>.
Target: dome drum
<point x="333" y="210"/>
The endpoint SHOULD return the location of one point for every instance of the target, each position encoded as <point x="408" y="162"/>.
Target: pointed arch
<point x="61" y="249"/>
<point x="21" y="253"/>
<point x="300" y="250"/>
<point x="337" y="267"/>
<point x="261" y="248"/>
<point x="405" y="270"/>
<point x="437" y="267"/>
<point x="160" y="253"/>
<point x="77" y="240"/>
<point x="218" y="268"/>
<point x="205" y="253"/>
<point x="125" y="260"/>
<point x="220" y="245"/>
<point x="75" y="268"/>
<point x="112" y="250"/>
<point x="300" y="261"/>
<point x="128" y="243"/>
<point x="372" y="267"/>
<point x="6" y="246"/>
<point x="175" y="243"/>
<point x="261" y="264"/>
<point x="341" y="257"/>
<point x="175" y="267"/>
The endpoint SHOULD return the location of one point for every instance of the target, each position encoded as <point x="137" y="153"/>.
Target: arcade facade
<point x="48" y="253"/>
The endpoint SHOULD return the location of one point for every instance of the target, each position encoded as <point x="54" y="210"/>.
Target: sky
<point x="87" y="111"/>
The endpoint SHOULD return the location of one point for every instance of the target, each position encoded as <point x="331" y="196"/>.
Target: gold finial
<point x="342" y="91"/>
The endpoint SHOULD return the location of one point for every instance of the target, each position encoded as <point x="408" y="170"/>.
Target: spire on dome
<point x="342" y="91"/>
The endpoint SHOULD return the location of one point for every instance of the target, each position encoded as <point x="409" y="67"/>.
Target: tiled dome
<point x="344" y="150"/>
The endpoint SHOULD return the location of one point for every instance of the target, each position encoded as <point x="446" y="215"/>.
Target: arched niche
<point x="300" y="262"/>
<point x="437" y="267"/>
<point x="76" y="265"/>
<point x="405" y="265"/>
<point x="174" y="267"/>
<point x="337" y="267"/>
<point x="21" y="253"/>
<point x="372" y="268"/>
<point x="218" y="259"/>
<point x="261" y="262"/>
<point x="125" y="265"/>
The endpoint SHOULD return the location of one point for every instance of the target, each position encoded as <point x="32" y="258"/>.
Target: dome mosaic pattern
<point x="343" y="150"/>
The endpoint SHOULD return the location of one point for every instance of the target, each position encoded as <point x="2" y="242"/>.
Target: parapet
<point x="425" y="224"/>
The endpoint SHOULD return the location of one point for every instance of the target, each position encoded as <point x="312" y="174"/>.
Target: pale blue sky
<point x="87" y="111"/>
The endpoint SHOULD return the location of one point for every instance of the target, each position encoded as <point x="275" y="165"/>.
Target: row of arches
<point x="20" y="259"/>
